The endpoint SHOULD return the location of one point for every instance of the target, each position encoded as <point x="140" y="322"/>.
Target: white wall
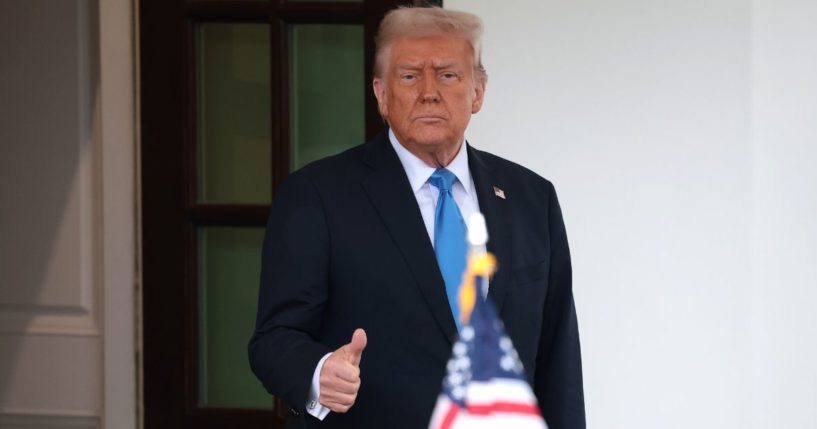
<point x="49" y="285"/>
<point x="784" y="128"/>
<point x="67" y="204"/>
<point x="670" y="131"/>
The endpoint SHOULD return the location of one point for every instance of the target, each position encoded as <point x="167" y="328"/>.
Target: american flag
<point x="485" y="384"/>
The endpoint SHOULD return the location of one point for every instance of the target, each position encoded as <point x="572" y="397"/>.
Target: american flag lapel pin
<point x="499" y="193"/>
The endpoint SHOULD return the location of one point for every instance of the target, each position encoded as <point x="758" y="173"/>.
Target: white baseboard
<point x="38" y="420"/>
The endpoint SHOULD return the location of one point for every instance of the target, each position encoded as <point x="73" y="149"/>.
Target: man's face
<point x="428" y="93"/>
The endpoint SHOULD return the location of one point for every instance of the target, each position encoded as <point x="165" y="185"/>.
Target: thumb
<point x="354" y="350"/>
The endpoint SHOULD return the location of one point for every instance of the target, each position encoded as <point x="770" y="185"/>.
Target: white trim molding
<point x="68" y="302"/>
<point x="117" y="131"/>
<point x="39" y="420"/>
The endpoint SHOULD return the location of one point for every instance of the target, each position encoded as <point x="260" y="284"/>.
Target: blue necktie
<point x="449" y="238"/>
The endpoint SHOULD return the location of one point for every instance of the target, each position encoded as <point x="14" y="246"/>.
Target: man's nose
<point x="429" y="91"/>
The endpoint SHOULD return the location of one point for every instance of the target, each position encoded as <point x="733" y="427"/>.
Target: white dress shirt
<point x="418" y="173"/>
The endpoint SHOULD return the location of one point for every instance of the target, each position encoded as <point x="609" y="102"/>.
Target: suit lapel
<point x="390" y="192"/>
<point x="495" y="210"/>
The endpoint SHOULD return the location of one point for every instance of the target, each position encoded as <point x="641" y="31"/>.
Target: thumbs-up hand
<point x="340" y="375"/>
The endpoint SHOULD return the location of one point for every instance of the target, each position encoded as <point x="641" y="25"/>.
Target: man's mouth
<point x="429" y="118"/>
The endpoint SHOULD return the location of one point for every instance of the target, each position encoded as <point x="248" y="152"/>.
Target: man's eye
<point x="408" y="77"/>
<point x="448" y="75"/>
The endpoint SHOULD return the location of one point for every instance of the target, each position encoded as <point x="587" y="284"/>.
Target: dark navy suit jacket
<point x="346" y="248"/>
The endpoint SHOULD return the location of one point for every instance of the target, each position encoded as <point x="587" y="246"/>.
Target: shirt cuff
<point x="313" y="406"/>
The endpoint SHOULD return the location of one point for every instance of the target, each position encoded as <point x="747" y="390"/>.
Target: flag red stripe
<point x="503" y="407"/>
<point x="448" y="420"/>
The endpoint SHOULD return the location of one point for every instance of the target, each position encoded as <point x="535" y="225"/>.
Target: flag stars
<point x="507" y="363"/>
<point x="459" y="364"/>
<point x="458" y="393"/>
<point x="459" y="370"/>
<point x="510" y="362"/>
<point x="456" y="379"/>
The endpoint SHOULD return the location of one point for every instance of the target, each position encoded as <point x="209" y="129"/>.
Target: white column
<point x="784" y="128"/>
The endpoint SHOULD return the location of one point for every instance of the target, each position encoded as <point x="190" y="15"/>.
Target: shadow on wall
<point x="47" y="192"/>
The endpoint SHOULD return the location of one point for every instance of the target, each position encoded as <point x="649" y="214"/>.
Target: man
<point x="354" y="320"/>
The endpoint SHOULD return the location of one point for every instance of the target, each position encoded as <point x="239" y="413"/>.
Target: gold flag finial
<point x="481" y="264"/>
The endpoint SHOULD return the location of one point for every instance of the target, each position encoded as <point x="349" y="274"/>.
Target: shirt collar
<point x="418" y="171"/>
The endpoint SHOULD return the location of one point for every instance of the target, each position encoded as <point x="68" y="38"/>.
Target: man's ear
<point x="379" y="88"/>
<point x="479" y="96"/>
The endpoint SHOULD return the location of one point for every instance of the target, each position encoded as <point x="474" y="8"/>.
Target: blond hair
<point x="416" y="22"/>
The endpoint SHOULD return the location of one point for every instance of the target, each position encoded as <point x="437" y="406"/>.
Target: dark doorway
<point x="230" y="93"/>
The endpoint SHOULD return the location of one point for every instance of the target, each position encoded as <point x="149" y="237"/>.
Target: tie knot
<point x="442" y="179"/>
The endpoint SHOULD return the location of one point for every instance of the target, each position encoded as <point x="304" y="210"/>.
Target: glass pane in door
<point x="229" y="269"/>
<point x="233" y="95"/>
<point x="327" y="90"/>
